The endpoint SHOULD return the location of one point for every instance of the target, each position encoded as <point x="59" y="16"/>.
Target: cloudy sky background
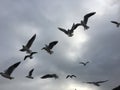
<point x="21" y="19"/>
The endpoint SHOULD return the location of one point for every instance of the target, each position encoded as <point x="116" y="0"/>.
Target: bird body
<point x="30" y="74"/>
<point x="85" y="20"/>
<point x="28" y="45"/>
<point x="49" y="47"/>
<point x="30" y="55"/>
<point x="7" y="73"/>
<point x="50" y="76"/>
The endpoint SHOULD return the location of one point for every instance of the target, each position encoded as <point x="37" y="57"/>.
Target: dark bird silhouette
<point x="7" y="73"/>
<point x="84" y="22"/>
<point x="30" y="55"/>
<point x="28" y="45"/>
<point x="117" y="23"/>
<point x="69" y="32"/>
<point x="70" y="76"/>
<point x="97" y="83"/>
<point x="49" y="47"/>
<point x="116" y="88"/>
<point x="30" y="74"/>
<point x="50" y="76"/>
<point x="84" y="63"/>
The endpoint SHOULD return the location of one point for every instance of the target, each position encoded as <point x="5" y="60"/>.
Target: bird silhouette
<point x="28" y="45"/>
<point x="30" y="55"/>
<point x="84" y="22"/>
<point x="116" y="88"/>
<point x="30" y="74"/>
<point x="7" y="73"/>
<point x="84" y="63"/>
<point x="49" y="47"/>
<point x="70" y="76"/>
<point x="115" y="22"/>
<point x="69" y="32"/>
<point x="50" y="76"/>
<point x="97" y="83"/>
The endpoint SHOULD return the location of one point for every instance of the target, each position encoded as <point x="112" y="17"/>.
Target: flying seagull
<point x="50" y="76"/>
<point x="117" y="23"/>
<point x="69" y="32"/>
<point x="30" y="74"/>
<point x="7" y="73"/>
<point x="30" y="55"/>
<point x="70" y="76"/>
<point x="28" y="45"/>
<point x="97" y="83"/>
<point x="84" y="22"/>
<point x="49" y="47"/>
<point x="84" y="63"/>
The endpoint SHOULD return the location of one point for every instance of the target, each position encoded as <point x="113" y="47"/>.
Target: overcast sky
<point x="100" y="44"/>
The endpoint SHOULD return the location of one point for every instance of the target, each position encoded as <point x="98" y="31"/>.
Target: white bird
<point x="117" y="23"/>
<point x="85" y="20"/>
<point x="49" y="47"/>
<point x="7" y="73"/>
<point x="30" y="74"/>
<point x="69" y="32"/>
<point x="28" y="45"/>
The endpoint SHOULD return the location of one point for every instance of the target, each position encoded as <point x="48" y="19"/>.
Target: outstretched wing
<point x="67" y="76"/>
<point x="11" y="68"/>
<point x="26" y="57"/>
<point x="63" y="30"/>
<point x="114" y="22"/>
<point x="28" y="45"/>
<point x="74" y="26"/>
<point x="52" y="44"/>
<point x="102" y="81"/>
<point x="73" y="76"/>
<point x="87" y="16"/>
<point x="31" y="71"/>
<point x="82" y="63"/>
<point x="46" y="76"/>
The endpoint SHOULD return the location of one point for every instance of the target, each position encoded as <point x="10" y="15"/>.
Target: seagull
<point x="28" y="45"/>
<point x="84" y="22"/>
<point x="97" y="83"/>
<point x="116" y="88"/>
<point x="7" y="73"/>
<point x="30" y="55"/>
<point x="30" y="74"/>
<point x="117" y="23"/>
<point x="84" y="63"/>
<point x="71" y="76"/>
<point x="50" y="76"/>
<point x="69" y="32"/>
<point x="49" y="47"/>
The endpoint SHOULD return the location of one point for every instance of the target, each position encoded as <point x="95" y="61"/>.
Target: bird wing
<point x="52" y="44"/>
<point x="55" y="76"/>
<point x="33" y="53"/>
<point x="28" y="45"/>
<point x="102" y="81"/>
<point x="46" y="76"/>
<point x="82" y="63"/>
<point x="63" y="30"/>
<point x="26" y="57"/>
<point x="31" y="71"/>
<point x="114" y="22"/>
<point x="11" y="68"/>
<point x="74" y="26"/>
<point x="87" y="16"/>
<point x="73" y="76"/>
<point x="67" y="76"/>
